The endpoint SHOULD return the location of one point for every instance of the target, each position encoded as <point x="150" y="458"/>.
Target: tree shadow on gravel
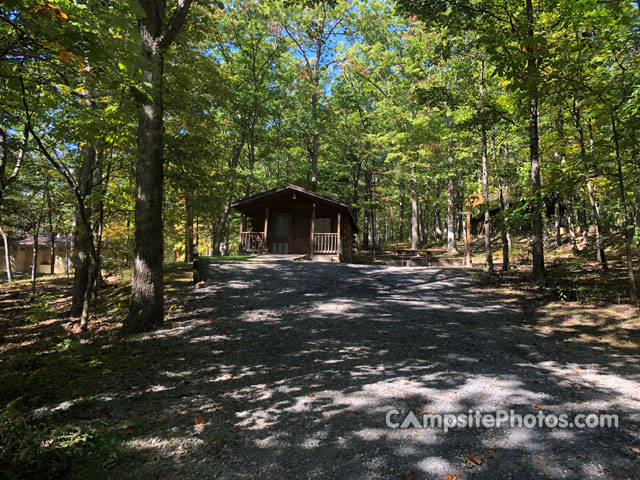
<point x="289" y="369"/>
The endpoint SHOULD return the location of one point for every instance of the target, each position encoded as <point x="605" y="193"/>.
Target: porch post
<point x="339" y="239"/>
<point x="313" y="228"/>
<point x="266" y="225"/>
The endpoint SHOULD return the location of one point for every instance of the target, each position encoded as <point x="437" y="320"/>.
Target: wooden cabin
<point x="292" y="220"/>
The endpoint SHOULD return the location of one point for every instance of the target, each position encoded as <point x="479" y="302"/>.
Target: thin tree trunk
<point x="569" y="210"/>
<point x="437" y="220"/>
<point x="401" y="219"/>
<point x="537" y="248"/>
<point x="425" y="215"/>
<point x="593" y="200"/>
<point x="7" y="257"/>
<point x="627" y="225"/>
<point x="34" y="263"/>
<point x="52" y="238"/>
<point x="188" y="231"/>
<point x="584" y="226"/>
<point x="373" y="217"/>
<point x="451" y="207"/>
<point x="414" y="208"/>
<point x="221" y="227"/>
<point x="504" y="230"/>
<point x="81" y="232"/>
<point x="571" y="226"/>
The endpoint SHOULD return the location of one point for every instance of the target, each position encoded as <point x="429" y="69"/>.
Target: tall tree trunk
<point x="557" y="221"/>
<point x="627" y="225"/>
<point x="401" y="226"/>
<point x="485" y="179"/>
<point x="52" y="238"/>
<point x="373" y="216"/>
<point x="593" y="199"/>
<point x="504" y="228"/>
<point x="147" y="289"/>
<point x="100" y="191"/>
<point x="147" y="292"/>
<point x="7" y="256"/>
<point x="451" y="207"/>
<point x="188" y="231"/>
<point x="584" y="226"/>
<point x="34" y="260"/>
<point x="569" y="218"/>
<point x="487" y="211"/>
<point x="81" y="233"/>
<point x="425" y="215"/>
<point x="537" y="248"/>
<point x="414" y="208"/>
<point x="233" y="164"/>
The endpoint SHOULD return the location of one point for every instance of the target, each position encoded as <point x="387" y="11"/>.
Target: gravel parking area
<point x="287" y="370"/>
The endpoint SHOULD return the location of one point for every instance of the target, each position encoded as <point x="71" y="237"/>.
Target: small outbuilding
<point x="293" y="220"/>
<point x="61" y="260"/>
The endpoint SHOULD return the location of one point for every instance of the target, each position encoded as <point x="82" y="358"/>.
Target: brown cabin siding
<point x="300" y="209"/>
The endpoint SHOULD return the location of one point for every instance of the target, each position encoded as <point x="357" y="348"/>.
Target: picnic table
<point x="404" y="254"/>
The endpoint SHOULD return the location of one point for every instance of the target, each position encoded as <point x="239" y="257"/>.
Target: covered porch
<point x="292" y="220"/>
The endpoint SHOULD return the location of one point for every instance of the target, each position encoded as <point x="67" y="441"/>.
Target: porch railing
<point x="252" y="242"/>
<point x="325" y="243"/>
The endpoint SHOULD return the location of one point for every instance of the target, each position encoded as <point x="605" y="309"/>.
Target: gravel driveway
<point x="286" y="371"/>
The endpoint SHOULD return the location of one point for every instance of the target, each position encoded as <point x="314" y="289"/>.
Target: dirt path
<point x="288" y="370"/>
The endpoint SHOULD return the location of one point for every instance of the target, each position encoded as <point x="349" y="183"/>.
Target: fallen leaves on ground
<point x="471" y="460"/>
<point x="537" y="461"/>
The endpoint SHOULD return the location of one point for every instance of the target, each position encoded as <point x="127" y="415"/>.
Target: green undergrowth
<point x="52" y="421"/>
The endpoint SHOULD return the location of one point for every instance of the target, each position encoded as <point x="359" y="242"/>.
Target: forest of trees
<point x="133" y="125"/>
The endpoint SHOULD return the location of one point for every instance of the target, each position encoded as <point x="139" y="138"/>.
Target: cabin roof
<point x="257" y="198"/>
<point x="44" y="239"/>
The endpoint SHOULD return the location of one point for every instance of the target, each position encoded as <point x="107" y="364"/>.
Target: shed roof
<point x="257" y="198"/>
<point x="44" y="239"/>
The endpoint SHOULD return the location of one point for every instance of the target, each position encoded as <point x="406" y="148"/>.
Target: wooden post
<point x="266" y="226"/>
<point x="339" y="239"/>
<point x="468" y="246"/>
<point x="313" y="228"/>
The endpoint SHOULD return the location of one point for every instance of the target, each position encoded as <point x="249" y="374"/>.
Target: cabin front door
<point x="281" y="233"/>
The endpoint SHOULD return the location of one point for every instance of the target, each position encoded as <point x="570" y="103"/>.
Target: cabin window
<point x="323" y="225"/>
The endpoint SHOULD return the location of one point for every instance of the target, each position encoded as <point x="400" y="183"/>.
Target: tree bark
<point x="147" y="292"/>
<point x="414" y="208"/>
<point x="188" y="231"/>
<point x="147" y="289"/>
<point x="82" y="233"/>
<point x="451" y="207"/>
<point x="7" y="256"/>
<point x="593" y="200"/>
<point x="627" y="225"/>
<point x="401" y="219"/>
<point x="425" y="215"/>
<point x="504" y="229"/>
<point x="485" y="177"/>
<point x="537" y="249"/>
<point x="52" y="238"/>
